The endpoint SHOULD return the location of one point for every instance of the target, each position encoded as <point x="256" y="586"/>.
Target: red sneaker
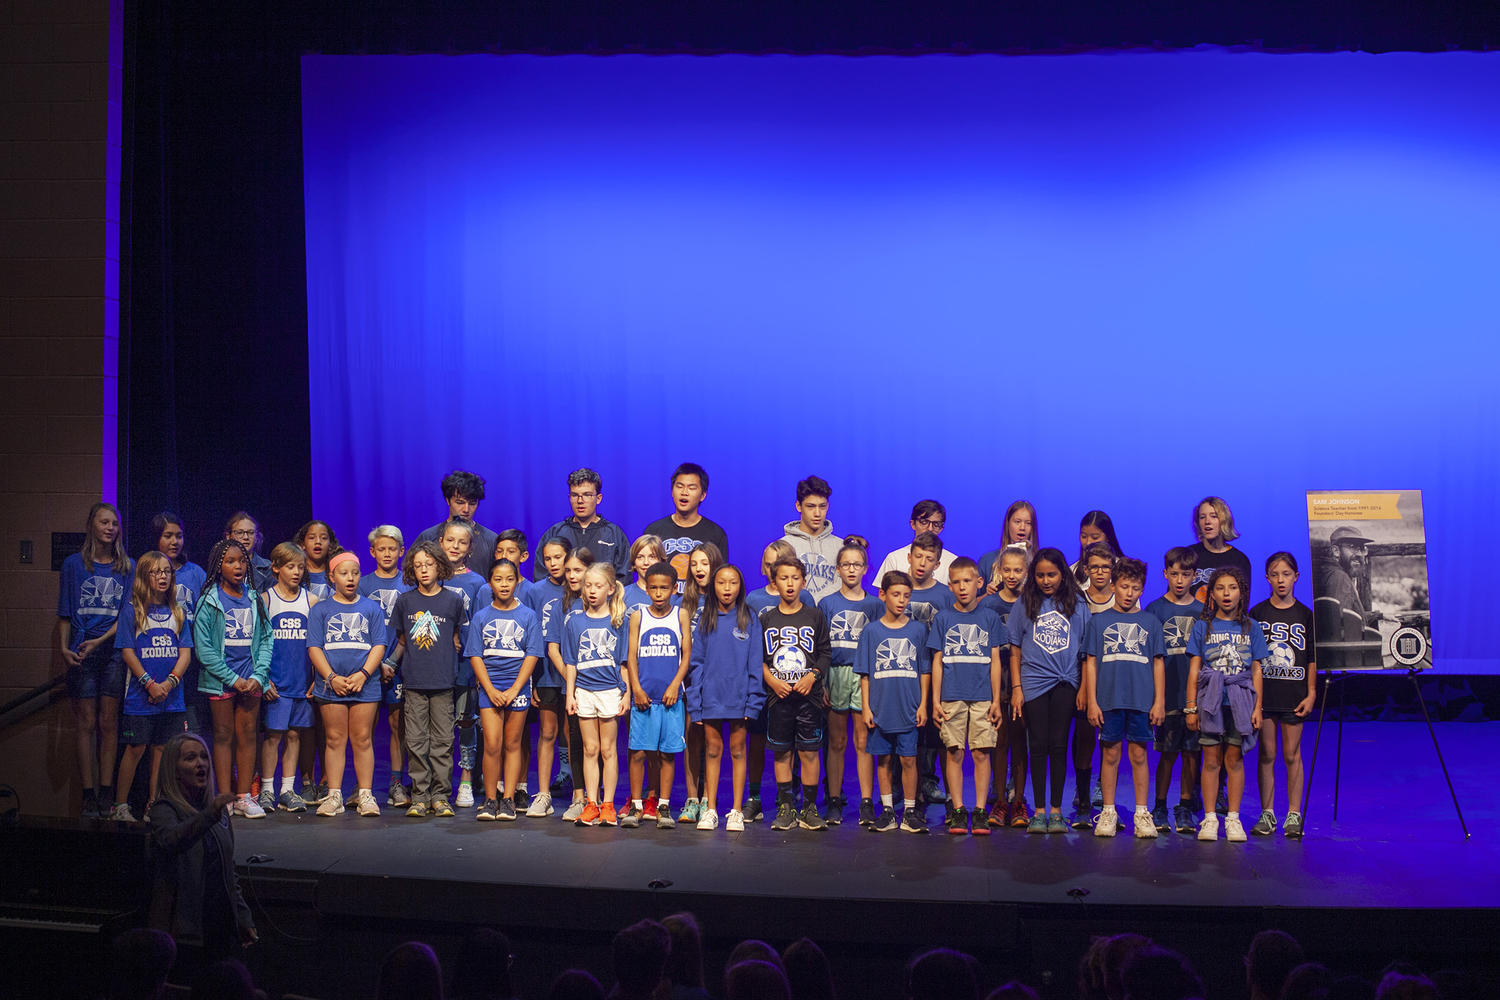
<point x="997" y="816"/>
<point x="1020" y="813"/>
<point x="648" y="809"/>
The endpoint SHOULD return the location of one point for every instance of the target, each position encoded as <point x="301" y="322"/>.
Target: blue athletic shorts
<point x="1127" y="724"/>
<point x="658" y="728"/>
<point x="392" y="693"/>
<point x="287" y="712"/>
<point x="882" y="744"/>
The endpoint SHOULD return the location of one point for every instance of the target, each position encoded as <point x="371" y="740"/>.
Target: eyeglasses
<point x="583" y="496"/>
<point x="159" y="572"/>
<point x="242" y="533"/>
<point x="932" y="523"/>
<point x="851" y="565"/>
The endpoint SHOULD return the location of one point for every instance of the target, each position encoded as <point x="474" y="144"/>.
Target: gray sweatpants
<point x="429" y="743"/>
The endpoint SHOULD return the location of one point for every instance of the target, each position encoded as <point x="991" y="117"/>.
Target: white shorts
<point x="597" y="704"/>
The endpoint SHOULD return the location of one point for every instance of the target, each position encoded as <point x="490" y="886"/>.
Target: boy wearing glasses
<point x="586" y="527"/>
<point x="926" y="515"/>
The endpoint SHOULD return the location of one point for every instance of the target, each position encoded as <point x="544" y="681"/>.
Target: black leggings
<point x="1047" y="717"/>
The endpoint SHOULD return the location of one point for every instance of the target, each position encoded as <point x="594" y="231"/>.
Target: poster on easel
<point x="1369" y="556"/>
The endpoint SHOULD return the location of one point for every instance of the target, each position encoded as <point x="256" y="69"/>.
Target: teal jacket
<point x="216" y="677"/>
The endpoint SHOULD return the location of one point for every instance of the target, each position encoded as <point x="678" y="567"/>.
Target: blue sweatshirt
<point x="724" y="671"/>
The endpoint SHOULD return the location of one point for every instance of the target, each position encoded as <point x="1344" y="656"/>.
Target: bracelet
<point x="367" y="674"/>
<point x="174" y="679"/>
<point x="1190" y="710"/>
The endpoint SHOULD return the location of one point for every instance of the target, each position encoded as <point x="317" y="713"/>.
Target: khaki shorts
<point x="843" y="689"/>
<point x="968" y="725"/>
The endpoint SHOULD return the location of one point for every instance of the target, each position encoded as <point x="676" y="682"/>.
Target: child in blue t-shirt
<point x="1125" y="679"/>
<point x="346" y="637"/>
<point x="504" y="646"/>
<point x="383" y="586"/>
<point x="1045" y="630"/>
<point x="656" y="666"/>
<point x="1007" y="575"/>
<point x="848" y="610"/>
<point x="895" y="672"/>
<point x="287" y="715"/>
<point x="1177" y="610"/>
<point x="645" y="552"/>
<point x="965" y="641"/>
<point x="456" y="540"/>
<point x="544" y="598"/>
<point x="156" y="644"/>
<point x="592" y="646"/>
<point x="1224" y="692"/>
<point x="761" y="600"/>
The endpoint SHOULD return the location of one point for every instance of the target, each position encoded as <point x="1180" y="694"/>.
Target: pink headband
<point x="340" y="559"/>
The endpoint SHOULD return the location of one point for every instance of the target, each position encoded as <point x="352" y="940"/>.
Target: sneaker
<point x="396" y="795"/>
<point x="522" y="799"/>
<point x="561" y="782"/>
<point x="266" y="799"/>
<point x="574" y="810"/>
<point x="417" y="809"/>
<point x="754" y="812"/>
<point x="1234" y="830"/>
<point x="1266" y="825"/>
<point x="833" y="813"/>
<point x="1081" y="820"/>
<point x="465" y="797"/>
<point x="866" y="813"/>
<point x="249" y="808"/>
<point x="121" y="813"/>
<point x="588" y="815"/>
<point x="1160" y="820"/>
<point x="507" y="811"/>
<point x="912" y="820"/>
<point x="541" y="806"/>
<point x="735" y="821"/>
<point x="979" y="825"/>
<point x="690" y="812"/>
<point x="332" y="804"/>
<point x="489" y="811"/>
<point x="1108" y="823"/>
<point x="1292" y="828"/>
<point x="291" y="802"/>
<point x="885" y="822"/>
<point x="1055" y="823"/>
<point x="999" y="816"/>
<point x="811" y="819"/>
<point x="786" y="817"/>
<point x="958" y="823"/>
<point x="1020" y="813"/>
<point x="708" y="820"/>
<point x="664" y="820"/>
<point x="366" y="805"/>
<point x="608" y="816"/>
<point x="320" y="793"/>
<point x="1209" y="828"/>
<point x="930" y="792"/>
<point x="630" y="816"/>
<point x="1037" y="823"/>
<point x="649" y="809"/>
<point x="1145" y="825"/>
<point x="1182" y="818"/>
<point x="1096" y="795"/>
<point x="442" y="808"/>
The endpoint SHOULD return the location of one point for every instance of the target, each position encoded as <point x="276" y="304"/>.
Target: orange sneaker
<point x="1020" y="813"/>
<point x="607" y="815"/>
<point x="996" y="816"/>
<point x="589" y="816"/>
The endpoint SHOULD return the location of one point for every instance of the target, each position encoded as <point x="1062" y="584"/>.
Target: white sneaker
<point x="1108" y="823"/>
<point x="247" y="807"/>
<point x="1145" y="826"/>
<point x="708" y="820"/>
<point x="1209" y="828"/>
<point x="365" y="804"/>
<point x="735" y="821"/>
<point x="575" y="810"/>
<point x="540" y="806"/>
<point x="465" y="797"/>
<point x="121" y="813"/>
<point x="333" y="804"/>
<point x="1234" y="830"/>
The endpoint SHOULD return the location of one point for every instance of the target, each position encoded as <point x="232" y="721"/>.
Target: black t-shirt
<point x="1289" y="637"/>
<point x="429" y="624"/>
<point x="680" y="542"/>
<point x="1210" y="561"/>
<point x="796" y="643"/>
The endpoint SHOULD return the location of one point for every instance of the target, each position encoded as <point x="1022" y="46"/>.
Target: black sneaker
<point x="753" y="811"/>
<point x="929" y="791"/>
<point x="811" y="819"/>
<point x="490" y="810"/>
<point x="833" y="815"/>
<point x="885" y="822"/>
<point x="786" y="817"/>
<point x="866" y="813"/>
<point x="958" y="822"/>
<point x="912" y="820"/>
<point x="507" y="810"/>
<point x="522" y="798"/>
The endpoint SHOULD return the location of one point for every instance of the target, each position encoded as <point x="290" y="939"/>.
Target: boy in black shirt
<point x="798" y="655"/>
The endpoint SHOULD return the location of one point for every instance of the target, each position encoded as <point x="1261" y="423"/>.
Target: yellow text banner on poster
<point x="1352" y="507"/>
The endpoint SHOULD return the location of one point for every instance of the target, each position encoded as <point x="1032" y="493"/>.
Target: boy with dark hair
<point x="586" y="527"/>
<point x="1177" y="609"/>
<point x="1124" y="678"/>
<point x="463" y="491"/>
<point x="685" y="529"/>
<point x="894" y="674"/>
<point x="657" y="662"/>
<point x="797" y="658"/>
<point x="928" y="597"/>
<point x="926" y="515"/>
<point x="812" y="537"/>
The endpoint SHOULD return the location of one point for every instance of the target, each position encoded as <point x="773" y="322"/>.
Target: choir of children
<point x="1019" y="651"/>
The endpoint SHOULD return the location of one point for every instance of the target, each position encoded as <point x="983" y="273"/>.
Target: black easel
<point x="1329" y="679"/>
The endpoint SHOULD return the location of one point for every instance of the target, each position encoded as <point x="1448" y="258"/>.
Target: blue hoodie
<point x="724" y="671"/>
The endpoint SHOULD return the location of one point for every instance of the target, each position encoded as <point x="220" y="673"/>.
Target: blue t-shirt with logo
<point x="1049" y="645"/>
<point x="846" y="620"/>
<point x="596" y="646"/>
<point x="346" y="633"/>
<point x="157" y="646"/>
<point x="190" y="580"/>
<point x="239" y="630"/>
<point x="1176" y="627"/>
<point x="659" y="652"/>
<point x="503" y="640"/>
<point x="316" y="582"/>
<point x="383" y="591"/>
<point x="760" y="601"/>
<point x="895" y="659"/>
<point x="1125" y="645"/>
<point x="1227" y="647"/>
<point x="966" y="639"/>
<point x="925" y="604"/>
<point x="91" y="598"/>
<point x="466" y="585"/>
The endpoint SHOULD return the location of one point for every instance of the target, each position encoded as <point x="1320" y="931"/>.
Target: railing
<point x="28" y="703"/>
